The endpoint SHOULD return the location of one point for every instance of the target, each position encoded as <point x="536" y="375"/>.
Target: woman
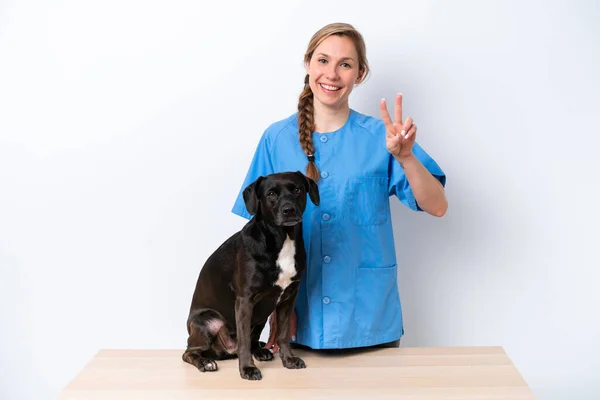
<point x="349" y="295"/>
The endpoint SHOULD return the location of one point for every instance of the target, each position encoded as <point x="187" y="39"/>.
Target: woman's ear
<point x="361" y="75"/>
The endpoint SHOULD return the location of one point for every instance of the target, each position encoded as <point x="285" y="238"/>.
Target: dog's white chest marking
<point x="287" y="264"/>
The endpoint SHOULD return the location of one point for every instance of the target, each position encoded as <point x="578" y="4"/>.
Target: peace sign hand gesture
<point x="400" y="136"/>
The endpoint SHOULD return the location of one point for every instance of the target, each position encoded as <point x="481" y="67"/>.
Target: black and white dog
<point x="254" y="272"/>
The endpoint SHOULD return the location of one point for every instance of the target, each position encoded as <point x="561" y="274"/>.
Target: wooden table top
<point x="457" y="373"/>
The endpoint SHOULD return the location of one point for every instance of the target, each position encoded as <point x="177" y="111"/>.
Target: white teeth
<point x="330" y="87"/>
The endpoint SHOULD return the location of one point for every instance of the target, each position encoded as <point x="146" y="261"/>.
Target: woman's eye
<point x="322" y="60"/>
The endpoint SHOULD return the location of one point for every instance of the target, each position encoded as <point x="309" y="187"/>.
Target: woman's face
<point x="333" y="71"/>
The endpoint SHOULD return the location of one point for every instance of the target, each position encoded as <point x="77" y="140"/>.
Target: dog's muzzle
<point x="288" y="215"/>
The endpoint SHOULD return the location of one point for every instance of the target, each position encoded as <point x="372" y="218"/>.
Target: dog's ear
<point x="251" y="196"/>
<point x="311" y="188"/>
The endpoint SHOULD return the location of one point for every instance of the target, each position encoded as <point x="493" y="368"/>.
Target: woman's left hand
<point x="400" y="135"/>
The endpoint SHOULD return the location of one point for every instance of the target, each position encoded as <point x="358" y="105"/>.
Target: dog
<point x="254" y="272"/>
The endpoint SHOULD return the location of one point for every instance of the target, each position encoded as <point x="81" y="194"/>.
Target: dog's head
<point x="281" y="197"/>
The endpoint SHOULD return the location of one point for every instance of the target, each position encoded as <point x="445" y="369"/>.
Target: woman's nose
<point x="332" y="73"/>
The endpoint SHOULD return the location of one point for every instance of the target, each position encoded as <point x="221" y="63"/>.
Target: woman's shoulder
<point x="369" y="129"/>
<point x="368" y="123"/>
<point x="281" y="128"/>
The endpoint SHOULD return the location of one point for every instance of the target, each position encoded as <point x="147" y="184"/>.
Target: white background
<point x="126" y="129"/>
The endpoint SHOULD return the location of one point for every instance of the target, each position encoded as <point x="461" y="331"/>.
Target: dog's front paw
<point x="262" y="354"/>
<point x="251" y="373"/>
<point x="293" y="362"/>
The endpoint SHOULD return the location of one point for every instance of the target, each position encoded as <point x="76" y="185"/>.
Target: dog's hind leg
<point x="209" y="339"/>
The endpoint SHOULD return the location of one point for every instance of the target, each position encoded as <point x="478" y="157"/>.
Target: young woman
<point x="349" y="295"/>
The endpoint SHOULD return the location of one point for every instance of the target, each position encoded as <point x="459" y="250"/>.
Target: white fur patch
<point x="287" y="264"/>
<point x="214" y="325"/>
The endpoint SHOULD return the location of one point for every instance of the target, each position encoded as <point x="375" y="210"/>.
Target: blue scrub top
<point x="349" y="295"/>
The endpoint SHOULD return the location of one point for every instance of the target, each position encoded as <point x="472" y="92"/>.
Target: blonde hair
<point x="306" y="111"/>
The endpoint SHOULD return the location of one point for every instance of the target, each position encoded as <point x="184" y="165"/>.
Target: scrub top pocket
<point x="369" y="200"/>
<point x="377" y="305"/>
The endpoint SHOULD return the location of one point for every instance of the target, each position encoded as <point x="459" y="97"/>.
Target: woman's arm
<point x="429" y="192"/>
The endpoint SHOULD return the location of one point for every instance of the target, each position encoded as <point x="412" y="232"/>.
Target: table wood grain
<point x="451" y="373"/>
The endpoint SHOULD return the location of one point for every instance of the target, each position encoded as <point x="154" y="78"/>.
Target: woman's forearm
<point x="427" y="189"/>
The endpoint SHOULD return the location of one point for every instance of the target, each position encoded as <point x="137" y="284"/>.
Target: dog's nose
<point x="288" y="210"/>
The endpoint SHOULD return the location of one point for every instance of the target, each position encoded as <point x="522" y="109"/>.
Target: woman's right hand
<point x="272" y="342"/>
<point x="400" y="134"/>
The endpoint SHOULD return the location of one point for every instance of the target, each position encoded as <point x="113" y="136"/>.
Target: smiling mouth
<point x="329" y="88"/>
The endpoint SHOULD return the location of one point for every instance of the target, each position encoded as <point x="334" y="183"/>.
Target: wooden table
<point x="464" y="373"/>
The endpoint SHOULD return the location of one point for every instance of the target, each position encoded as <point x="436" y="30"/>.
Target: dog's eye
<point x="271" y="194"/>
<point x="297" y="190"/>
